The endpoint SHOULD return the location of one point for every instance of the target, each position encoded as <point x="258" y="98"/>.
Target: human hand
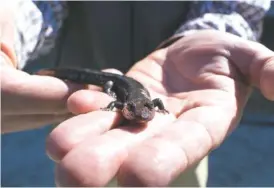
<point x="31" y="101"/>
<point x="27" y="101"/>
<point x="204" y="80"/>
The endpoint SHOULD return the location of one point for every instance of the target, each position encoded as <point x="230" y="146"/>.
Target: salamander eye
<point x="149" y="105"/>
<point x="131" y="107"/>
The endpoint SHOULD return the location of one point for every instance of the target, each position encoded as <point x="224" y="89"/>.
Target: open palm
<point x="204" y="80"/>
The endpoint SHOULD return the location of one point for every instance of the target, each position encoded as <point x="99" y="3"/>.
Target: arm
<point x="37" y="26"/>
<point x="242" y="18"/>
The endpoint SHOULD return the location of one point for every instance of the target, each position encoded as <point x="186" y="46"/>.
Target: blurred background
<point x="246" y="158"/>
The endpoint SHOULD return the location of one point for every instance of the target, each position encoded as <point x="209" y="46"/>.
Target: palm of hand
<point x="204" y="91"/>
<point x="201" y="87"/>
<point x="195" y="80"/>
<point x="199" y="79"/>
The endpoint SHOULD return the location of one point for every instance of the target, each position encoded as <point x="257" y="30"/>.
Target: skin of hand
<point x="32" y="101"/>
<point x="204" y="80"/>
<point x="28" y="101"/>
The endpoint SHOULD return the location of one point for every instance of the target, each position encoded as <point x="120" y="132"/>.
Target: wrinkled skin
<point x="204" y="80"/>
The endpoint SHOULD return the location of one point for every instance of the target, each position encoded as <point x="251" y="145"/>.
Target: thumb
<point x="254" y="60"/>
<point x="257" y="63"/>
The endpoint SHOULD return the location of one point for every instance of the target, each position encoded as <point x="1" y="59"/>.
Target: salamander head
<point x="139" y="111"/>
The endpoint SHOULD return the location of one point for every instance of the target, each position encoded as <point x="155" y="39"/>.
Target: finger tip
<point x="84" y="101"/>
<point x="58" y="143"/>
<point x="53" y="149"/>
<point x="266" y="82"/>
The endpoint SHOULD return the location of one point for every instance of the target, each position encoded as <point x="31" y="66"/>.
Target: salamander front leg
<point x="112" y="105"/>
<point x="158" y="103"/>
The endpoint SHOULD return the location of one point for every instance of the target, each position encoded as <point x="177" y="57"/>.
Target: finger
<point x="22" y="93"/>
<point x="267" y="79"/>
<point x="160" y="159"/>
<point x="257" y="62"/>
<point x="68" y="134"/>
<point x="84" y="101"/>
<point x="14" y="123"/>
<point x="252" y="59"/>
<point x="73" y="131"/>
<point x="96" y="160"/>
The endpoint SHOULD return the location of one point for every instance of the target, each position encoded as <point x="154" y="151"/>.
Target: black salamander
<point x="132" y="98"/>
